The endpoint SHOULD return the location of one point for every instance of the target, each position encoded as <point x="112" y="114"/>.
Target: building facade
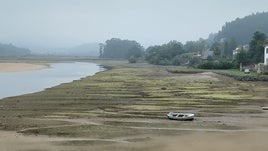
<point x="266" y="54"/>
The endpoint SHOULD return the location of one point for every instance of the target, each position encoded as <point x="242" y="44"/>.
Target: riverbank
<point x="19" y="67"/>
<point x="125" y="108"/>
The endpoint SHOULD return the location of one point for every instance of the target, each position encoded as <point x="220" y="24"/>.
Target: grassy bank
<point x="130" y="102"/>
<point x="233" y="73"/>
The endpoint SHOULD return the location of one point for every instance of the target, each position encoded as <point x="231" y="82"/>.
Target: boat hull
<point x="181" y="119"/>
<point x="180" y="116"/>
<point x="265" y="108"/>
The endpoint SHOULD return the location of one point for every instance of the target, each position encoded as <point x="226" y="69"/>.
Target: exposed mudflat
<point x="125" y="109"/>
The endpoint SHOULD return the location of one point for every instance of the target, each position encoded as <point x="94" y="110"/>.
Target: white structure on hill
<point x="266" y="53"/>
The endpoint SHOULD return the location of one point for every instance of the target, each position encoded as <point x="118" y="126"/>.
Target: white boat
<point x="265" y="107"/>
<point x="180" y="116"/>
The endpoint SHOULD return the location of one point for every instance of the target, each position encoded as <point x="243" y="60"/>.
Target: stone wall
<point x="262" y="68"/>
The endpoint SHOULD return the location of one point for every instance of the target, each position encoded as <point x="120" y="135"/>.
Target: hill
<point x="87" y="49"/>
<point x="242" y="29"/>
<point x="11" y="50"/>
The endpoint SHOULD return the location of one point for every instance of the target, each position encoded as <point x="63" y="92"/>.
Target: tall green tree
<point x="242" y="57"/>
<point x="228" y="46"/>
<point x="256" y="47"/>
<point x="121" y="49"/>
<point x="216" y="50"/>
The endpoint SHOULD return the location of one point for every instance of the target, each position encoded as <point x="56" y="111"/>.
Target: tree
<point x="121" y="49"/>
<point x="242" y="29"/>
<point x="256" y="47"/>
<point x="101" y="45"/>
<point x="164" y="54"/>
<point x="195" y="46"/>
<point x="242" y="57"/>
<point x="228" y="47"/>
<point x="195" y="61"/>
<point x="216" y="50"/>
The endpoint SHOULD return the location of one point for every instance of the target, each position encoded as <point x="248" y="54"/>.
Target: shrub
<point x="216" y="65"/>
<point x="195" y="61"/>
<point x="133" y="59"/>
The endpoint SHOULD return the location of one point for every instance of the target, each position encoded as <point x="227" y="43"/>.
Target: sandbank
<point x="19" y="67"/>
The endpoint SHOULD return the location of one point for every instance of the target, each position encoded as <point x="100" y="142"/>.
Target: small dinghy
<point x="180" y="116"/>
<point x="265" y="107"/>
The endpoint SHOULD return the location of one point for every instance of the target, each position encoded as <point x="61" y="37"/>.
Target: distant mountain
<point x="242" y="29"/>
<point x="11" y="50"/>
<point x="87" y="49"/>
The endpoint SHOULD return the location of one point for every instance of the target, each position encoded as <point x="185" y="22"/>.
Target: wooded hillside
<point x="242" y="29"/>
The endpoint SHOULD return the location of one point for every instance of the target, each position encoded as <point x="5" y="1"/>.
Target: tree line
<point x="116" y="48"/>
<point x="255" y="53"/>
<point x="242" y="29"/>
<point x="190" y="53"/>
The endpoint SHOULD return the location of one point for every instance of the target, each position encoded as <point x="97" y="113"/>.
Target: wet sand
<point x="196" y="141"/>
<point x="220" y="141"/>
<point x="18" y="67"/>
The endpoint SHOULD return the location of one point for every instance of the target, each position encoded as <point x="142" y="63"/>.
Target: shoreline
<point x="20" y="67"/>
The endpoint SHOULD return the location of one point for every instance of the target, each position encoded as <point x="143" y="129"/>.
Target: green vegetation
<point x="166" y="54"/>
<point x="255" y="54"/>
<point x="242" y="28"/>
<point x="121" y="49"/>
<point x="244" y="77"/>
<point x="233" y="73"/>
<point x="216" y="65"/>
<point x="217" y="50"/>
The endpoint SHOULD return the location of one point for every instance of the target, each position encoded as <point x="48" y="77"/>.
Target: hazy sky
<point x="56" y="23"/>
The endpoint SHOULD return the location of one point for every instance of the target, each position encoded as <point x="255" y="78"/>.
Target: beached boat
<point x="180" y="116"/>
<point x="265" y="107"/>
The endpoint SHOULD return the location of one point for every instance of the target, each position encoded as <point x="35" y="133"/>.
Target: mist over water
<point x="18" y="83"/>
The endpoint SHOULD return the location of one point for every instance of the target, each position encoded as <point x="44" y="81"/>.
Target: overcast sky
<point x="54" y="23"/>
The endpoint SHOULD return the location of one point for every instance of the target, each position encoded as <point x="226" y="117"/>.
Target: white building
<point x="266" y="53"/>
<point x="238" y="49"/>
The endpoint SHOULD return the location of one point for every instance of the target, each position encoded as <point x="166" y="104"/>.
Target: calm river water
<point x="18" y="83"/>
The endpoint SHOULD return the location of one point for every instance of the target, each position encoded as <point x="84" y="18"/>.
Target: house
<point x="236" y="50"/>
<point x="239" y="49"/>
<point x="206" y="54"/>
<point x="266" y="53"/>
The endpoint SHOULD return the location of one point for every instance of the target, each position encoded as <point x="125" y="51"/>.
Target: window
<point x="266" y="50"/>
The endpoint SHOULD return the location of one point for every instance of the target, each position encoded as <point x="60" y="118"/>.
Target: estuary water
<point x="18" y="83"/>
